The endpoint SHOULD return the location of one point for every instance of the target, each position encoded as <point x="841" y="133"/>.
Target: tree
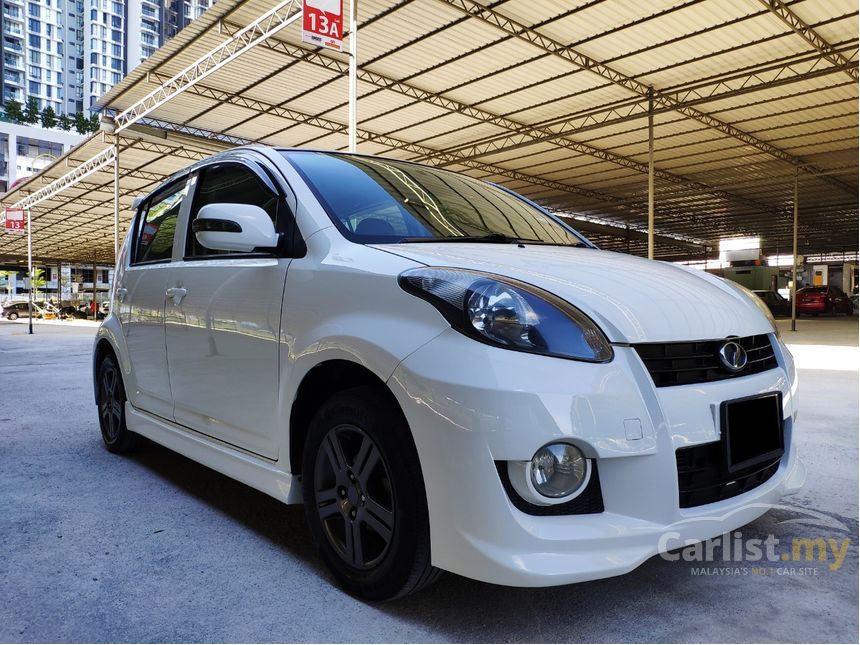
<point x="95" y="123"/>
<point x="65" y="123"/>
<point x="31" y="112"/>
<point x="38" y="281"/>
<point x="49" y="117"/>
<point x="82" y="123"/>
<point x="14" y="111"/>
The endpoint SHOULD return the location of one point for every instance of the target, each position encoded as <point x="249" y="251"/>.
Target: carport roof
<point x="548" y="98"/>
<point x="76" y="224"/>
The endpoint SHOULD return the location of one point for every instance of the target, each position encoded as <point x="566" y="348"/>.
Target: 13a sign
<point x="16" y="221"/>
<point x="322" y="23"/>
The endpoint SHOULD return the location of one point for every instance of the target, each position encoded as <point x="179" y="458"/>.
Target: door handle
<point x="177" y="293"/>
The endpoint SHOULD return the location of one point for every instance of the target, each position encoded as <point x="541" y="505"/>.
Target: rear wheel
<point x="364" y="496"/>
<point x="111" y="405"/>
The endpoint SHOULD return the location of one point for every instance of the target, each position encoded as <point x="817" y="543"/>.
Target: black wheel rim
<point x="354" y="497"/>
<point x="110" y="402"/>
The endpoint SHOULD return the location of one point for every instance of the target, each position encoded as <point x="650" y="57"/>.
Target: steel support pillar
<point x="353" y="74"/>
<point x="30" y="268"/>
<point x="116" y="201"/>
<point x="95" y="307"/>
<point x="650" y="173"/>
<point x="794" y="259"/>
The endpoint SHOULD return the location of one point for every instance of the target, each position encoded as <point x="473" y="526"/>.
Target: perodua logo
<point x="732" y="356"/>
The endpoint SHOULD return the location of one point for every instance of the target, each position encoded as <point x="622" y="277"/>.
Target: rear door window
<point x="157" y="226"/>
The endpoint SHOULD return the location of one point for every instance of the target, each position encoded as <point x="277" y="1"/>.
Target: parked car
<point x="17" y="310"/>
<point x="778" y="305"/>
<point x="446" y="375"/>
<point x="824" y="300"/>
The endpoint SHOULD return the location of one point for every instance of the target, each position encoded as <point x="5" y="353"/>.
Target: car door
<point x="140" y="291"/>
<point x="223" y="326"/>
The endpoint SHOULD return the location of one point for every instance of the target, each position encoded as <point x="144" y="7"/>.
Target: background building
<point x="67" y="53"/>
<point x="26" y="149"/>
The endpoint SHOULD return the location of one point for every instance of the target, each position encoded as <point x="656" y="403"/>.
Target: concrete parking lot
<point x="154" y="547"/>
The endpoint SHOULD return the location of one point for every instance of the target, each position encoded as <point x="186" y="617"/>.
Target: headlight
<point x="558" y="470"/>
<point x="508" y="313"/>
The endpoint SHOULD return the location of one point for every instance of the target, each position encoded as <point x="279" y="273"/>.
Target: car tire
<point x="111" y="399"/>
<point x="364" y="496"/>
<point x="12" y="316"/>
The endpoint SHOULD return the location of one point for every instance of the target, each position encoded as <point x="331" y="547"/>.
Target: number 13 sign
<point x="322" y="23"/>
<point x="16" y="221"/>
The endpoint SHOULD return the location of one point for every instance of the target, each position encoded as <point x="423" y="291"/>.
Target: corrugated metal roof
<point x="512" y="91"/>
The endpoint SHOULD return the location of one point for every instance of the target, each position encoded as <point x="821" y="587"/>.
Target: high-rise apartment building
<point x="67" y="53"/>
<point x="34" y="52"/>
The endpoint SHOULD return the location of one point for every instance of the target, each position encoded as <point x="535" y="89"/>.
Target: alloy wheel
<point x="110" y="401"/>
<point x="354" y="497"/>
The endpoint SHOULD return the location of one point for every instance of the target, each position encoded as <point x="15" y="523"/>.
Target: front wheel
<point x="111" y="405"/>
<point x="364" y="496"/>
<point x="12" y="316"/>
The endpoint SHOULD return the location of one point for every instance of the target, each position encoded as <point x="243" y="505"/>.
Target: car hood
<point x="633" y="300"/>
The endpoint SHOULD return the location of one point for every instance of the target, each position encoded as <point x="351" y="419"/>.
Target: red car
<point x="824" y="300"/>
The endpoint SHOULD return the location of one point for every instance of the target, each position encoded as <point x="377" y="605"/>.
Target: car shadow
<point x="259" y="512"/>
<point x="626" y="608"/>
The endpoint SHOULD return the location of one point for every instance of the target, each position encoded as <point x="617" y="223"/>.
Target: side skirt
<point x="256" y="472"/>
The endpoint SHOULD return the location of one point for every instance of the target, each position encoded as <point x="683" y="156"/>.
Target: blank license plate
<point x="753" y="430"/>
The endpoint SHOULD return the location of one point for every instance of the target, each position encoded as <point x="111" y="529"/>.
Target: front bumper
<point x="470" y="405"/>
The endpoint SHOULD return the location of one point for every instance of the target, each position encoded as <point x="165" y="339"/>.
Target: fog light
<point x="558" y="470"/>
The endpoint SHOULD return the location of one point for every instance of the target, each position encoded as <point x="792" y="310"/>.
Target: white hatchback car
<point x="446" y="375"/>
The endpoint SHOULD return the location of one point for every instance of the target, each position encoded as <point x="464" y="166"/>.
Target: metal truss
<point x="836" y="58"/>
<point x="134" y="174"/>
<point x="182" y="152"/>
<point x="661" y="100"/>
<point x="277" y="18"/>
<point x="735" y="85"/>
<point x="94" y="164"/>
<point x="447" y="157"/>
<point x="255" y="105"/>
<point x="522" y="134"/>
<point x="226" y="139"/>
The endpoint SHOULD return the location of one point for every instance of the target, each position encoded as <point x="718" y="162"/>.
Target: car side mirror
<point x="234" y="227"/>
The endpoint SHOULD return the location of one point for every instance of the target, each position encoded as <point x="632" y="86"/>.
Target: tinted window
<point x="228" y="184"/>
<point x="158" y="225"/>
<point x="381" y="200"/>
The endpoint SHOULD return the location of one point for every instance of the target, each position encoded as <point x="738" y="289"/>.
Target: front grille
<point x="703" y="477"/>
<point x="690" y="362"/>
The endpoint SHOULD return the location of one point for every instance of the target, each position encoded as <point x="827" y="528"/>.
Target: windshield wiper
<point x="490" y="238"/>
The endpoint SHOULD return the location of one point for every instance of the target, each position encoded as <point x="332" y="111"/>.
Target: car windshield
<point x="383" y="201"/>
<point x="814" y="290"/>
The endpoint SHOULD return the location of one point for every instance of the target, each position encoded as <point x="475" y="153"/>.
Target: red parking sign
<point x="322" y="23"/>
<point x="16" y="221"/>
